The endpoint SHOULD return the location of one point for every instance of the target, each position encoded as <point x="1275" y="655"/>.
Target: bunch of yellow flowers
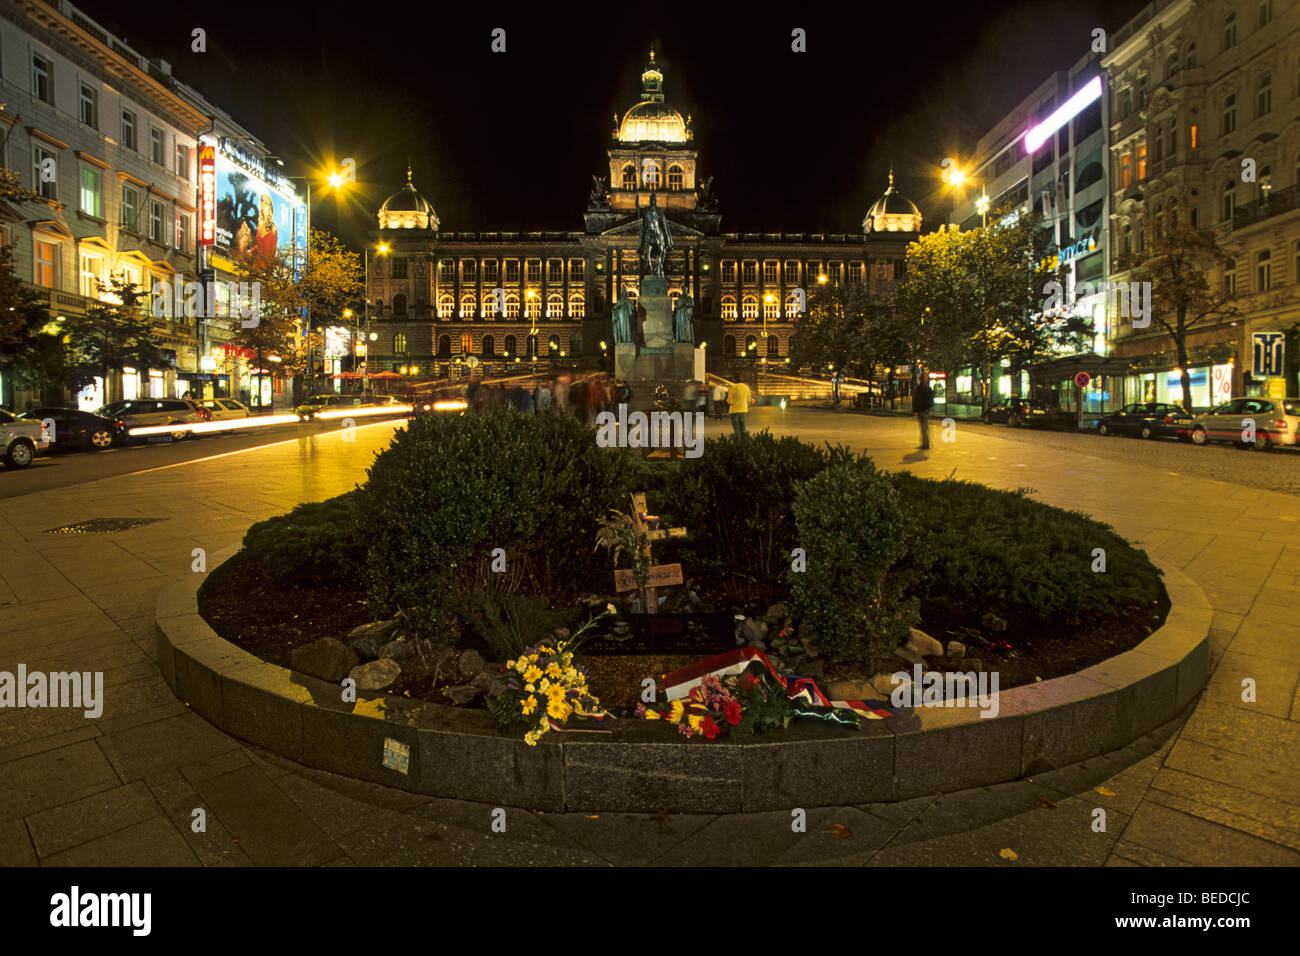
<point x="548" y="687"/>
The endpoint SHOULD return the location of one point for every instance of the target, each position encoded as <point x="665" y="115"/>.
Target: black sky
<point x="796" y="142"/>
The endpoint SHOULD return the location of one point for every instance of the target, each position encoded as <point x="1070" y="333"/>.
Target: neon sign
<point x="207" y="196"/>
<point x="1038" y="135"/>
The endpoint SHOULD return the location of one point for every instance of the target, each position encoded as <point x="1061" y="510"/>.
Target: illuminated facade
<point x="439" y="298"/>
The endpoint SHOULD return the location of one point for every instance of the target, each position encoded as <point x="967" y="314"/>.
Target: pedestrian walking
<point x="542" y="397"/>
<point x="835" y="387"/>
<point x="578" y="398"/>
<point x="922" y="403"/>
<point x="561" y="394"/>
<point x="719" y="395"/>
<point x="739" y="398"/>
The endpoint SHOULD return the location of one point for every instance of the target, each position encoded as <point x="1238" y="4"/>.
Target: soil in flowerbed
<point x="270" y="620"/>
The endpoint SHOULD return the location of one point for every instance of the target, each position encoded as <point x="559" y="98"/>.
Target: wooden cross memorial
<point x="661" y="575"/>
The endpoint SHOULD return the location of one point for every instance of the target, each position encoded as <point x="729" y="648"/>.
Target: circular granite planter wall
<point x="644" y="766"/>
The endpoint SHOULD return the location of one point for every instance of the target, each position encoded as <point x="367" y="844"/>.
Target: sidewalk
<point x="1223" y="787"/>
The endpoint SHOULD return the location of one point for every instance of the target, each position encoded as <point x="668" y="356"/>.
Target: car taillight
<point x="1280" y="423"/>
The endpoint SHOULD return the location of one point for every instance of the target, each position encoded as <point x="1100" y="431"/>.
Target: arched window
<point x="489" y="303"/>
<point x="675" y="178"/>
<point x="553" y="344"/>
<point x="512" y="306"/>
<point x="533" y="306"/>
<point x="1229" y="194"/>
<point x="771" y="306"/>
<point x="749" y="307"/>
<point x="532" y="347"/>
<point x="729" y="345"/>
<point x="728" y="306"/>
<point x="444" y="346"/>
<point x="751" y="345"/>
<point x="554" y="306"/>
<point x="629" y="177"/>
<point x="510" y="345"/>
<point x="489" y="345"/>
<point x="577" y="307"/>
<point x="446" y="307"/>
<point x="773" y="347"/>
<point x="792" y="308"/>
<point x="651" y="176"/>
<point x="399" y="343"/>
<point x="467" y="305"/>
<point x="399" y="304"/>
<point x="466" y="343"/>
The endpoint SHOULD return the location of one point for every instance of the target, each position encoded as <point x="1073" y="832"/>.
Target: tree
<point x="890" y="337"/>
<point x="1181" y="298"/>
<point x="978" y="295"/>
<point x="284" y="286"/>
<point x="113" y="334"/>
<point x="832" y="331"/>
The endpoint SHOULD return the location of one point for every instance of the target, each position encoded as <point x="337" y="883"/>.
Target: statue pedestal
<point x="661" y="361"/>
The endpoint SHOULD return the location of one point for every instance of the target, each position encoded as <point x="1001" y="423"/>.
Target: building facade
<point x="1050" y="155"/>
<point x="111" y="142"/>
<point x="440" y="301"/>
<point x="1205" y="131"/>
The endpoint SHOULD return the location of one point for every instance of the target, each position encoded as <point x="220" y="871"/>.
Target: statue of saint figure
<point x="684" y="319"/>
<point x="656" y="241"/>
<point x="621" y="319"/>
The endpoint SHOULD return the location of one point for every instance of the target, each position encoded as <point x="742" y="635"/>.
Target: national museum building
<point x="438" y="299"/>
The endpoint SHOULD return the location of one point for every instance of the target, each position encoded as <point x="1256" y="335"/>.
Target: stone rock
<point x="366" y="646"/>
<point x="377" y="628"/>
<point x="329" y="659"/>
<point x="489" y="683"/>
<point x="884" y="684"/>
<point x="377" y="674"/>
<point x="956" y="649"/>
<point x="991" y="622"/>
<point x="810" y="648"/>
<point x="470" y="663"/>
<point x="923" y="643"/>
<point x="461" y="694"/>
<point x="813" y="669"/>
<point x="560" y="634"/>
<point x="776" y="614"/>
<point x="400" y="650"/>
<point x="753" y="630"/>
<point x="848" y="690"/>
<point x="906" y="653"/>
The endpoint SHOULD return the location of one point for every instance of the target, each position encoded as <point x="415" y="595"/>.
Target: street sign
<point x="1267" y="353"/>
<point x="1082" y="379"/>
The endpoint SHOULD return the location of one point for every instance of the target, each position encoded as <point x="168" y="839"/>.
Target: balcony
<point x="1278" y="202"/>
<point x="59" y="302"/>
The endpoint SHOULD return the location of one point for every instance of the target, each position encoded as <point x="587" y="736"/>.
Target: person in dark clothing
<point x="922" y="403"/>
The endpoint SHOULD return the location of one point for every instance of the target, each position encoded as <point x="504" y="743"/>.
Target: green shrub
<point x="999" y="552"/>
<point x="734" y="500"/>
<point x="853" y="530"/>
<point x="314" y="545"/>
<point x="449" y="491"/>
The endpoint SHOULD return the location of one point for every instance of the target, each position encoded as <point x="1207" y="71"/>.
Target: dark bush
<point x="314" y="545"/>
<point x="854" y="532"/>
<point x="449" y="491"/>
<point x="734" y="500"/>
<point x="999" y="552"/>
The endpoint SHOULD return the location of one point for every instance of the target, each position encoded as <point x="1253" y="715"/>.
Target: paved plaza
<point x="1218" y="786"/>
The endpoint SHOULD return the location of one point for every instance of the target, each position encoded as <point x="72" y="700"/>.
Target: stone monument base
<point x="643" y="369"/>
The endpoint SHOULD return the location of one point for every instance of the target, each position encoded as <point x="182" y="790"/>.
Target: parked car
<point x="20" y="441"/>
<point x="1010" y="412"/>
<point x="74" y="428"/>
<point x="140" y="412"/>
<point x="224" y="408"/>
<point x="1147" y="420"/>
<point x="1038" y="415"/>
<point x="1276" y="422"/>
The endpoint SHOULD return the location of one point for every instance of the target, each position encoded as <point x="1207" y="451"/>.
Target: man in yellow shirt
<point x="738" y="402"/>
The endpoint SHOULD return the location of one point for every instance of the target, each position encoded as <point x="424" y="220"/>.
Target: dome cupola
<point x="407" y="209"/>
<point x="892" y="212"/>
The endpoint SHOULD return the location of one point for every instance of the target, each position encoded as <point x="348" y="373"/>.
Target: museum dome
<point x="892" y="212"/>
<point x="652" y="120"/>
<point x="407" y="209"/>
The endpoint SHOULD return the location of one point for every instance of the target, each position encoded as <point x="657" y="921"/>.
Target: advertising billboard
<point x="252" y="216"/>
<point x="207" y="195"/>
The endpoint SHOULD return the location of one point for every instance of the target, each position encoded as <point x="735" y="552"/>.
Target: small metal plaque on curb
<point x="397" y="755"/>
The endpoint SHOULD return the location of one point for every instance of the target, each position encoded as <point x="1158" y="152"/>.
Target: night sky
<point x="796" y="142"/>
